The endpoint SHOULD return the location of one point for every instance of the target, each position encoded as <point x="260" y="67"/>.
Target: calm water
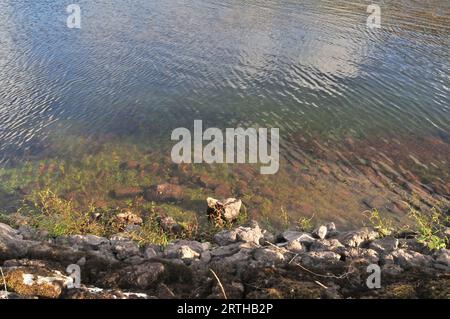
<point x="138" y="69"/>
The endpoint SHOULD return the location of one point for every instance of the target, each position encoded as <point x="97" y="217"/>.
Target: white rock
<point x="321" y="232"/>
<point x="290" y="235"/>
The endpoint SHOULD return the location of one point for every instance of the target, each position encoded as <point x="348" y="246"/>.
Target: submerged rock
<point x="127" y="192"/>
<point x="130" y="165"/>
<point x="164" y="192"/>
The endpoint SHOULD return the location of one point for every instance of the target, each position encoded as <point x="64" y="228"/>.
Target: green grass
<point x="430" y="226"/>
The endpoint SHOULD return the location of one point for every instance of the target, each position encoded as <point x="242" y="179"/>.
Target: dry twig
<point x="220" y="284"/>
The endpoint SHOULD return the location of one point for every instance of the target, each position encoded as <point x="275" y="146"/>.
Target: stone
<point x="185" y="249"/>
<point x="268" y="256"/>
<point x="223" y="190"/>
<point x="302" y="237"/>
<point x="319" y="259"/>
<point x="150" y="252"/>
<point x="442" y="259"/>
<point x="358" y="238"/>
<point x="268" y="237"/>
<point x="30" y="233"/>
<point x="134" y="260"/>
<point x="169" y="225"/>
<point x="326" y="244"/>
<point x="185" y="252"/>
<point x="12" y="244"/>
<point x="208" y="182"/>
<point x="130" y="165"/>
<point x="227" y="209"/>
<point x="331" y="227"/>
<point x="205" y="257"/>
<point x="384" y="245"/>
<point x="84" y="241"/>
<point x="369" y="255"/>
<point x="391" y="270"/>
<point x="320" y="232"/>
<point x="249" y="234"/>
<point x="164" y="192"/>
<point x="127" y="192"/>
<point x="128" y="218"/>
<point x="408" y="259"/>
<point x="143" y="276"/>
<point x="225" y="237"/>
<point x="295" y="247"/>
<point x="36" y="282"/>
<point x="224" y="251"/>
<point x="124" y="247"/>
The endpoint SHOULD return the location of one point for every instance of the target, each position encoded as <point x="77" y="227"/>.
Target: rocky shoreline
<point x="243" y="262"/>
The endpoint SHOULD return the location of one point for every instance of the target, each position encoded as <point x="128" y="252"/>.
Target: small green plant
<point x="285" y="218"/>
<point x="431" y="228"/>
<point x="384" y="226"/>
<point x="305" y="224"/>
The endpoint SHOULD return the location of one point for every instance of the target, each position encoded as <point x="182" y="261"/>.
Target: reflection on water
<point x="342" y="94"/>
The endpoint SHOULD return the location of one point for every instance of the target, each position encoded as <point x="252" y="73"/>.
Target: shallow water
<point x="345" y="97"/>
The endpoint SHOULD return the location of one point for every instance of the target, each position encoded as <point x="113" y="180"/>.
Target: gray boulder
<point x="12" y="244"/>
<point x="384" y="245"/>
<point x="124" y="248"/>
<point x="302" y="237"/>
<point x="358" y="238"/>
<point x="408" y="259"/>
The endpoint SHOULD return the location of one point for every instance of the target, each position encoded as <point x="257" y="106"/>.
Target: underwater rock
<point x="130" y="165"/>
<point x="207" y="181"/>
<point x="164" y="192"/>
<point x="127" y="192"/>
<point x="223" y="190"/>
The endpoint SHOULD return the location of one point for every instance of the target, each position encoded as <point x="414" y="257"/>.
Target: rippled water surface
<point x="354" y="105"/>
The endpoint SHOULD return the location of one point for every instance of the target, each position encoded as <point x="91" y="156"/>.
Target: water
<point x="353" y="104"/>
